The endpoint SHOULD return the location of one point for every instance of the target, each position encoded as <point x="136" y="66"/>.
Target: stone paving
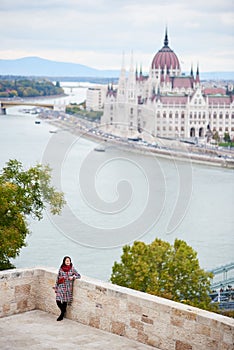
<point x="36" y="330"/>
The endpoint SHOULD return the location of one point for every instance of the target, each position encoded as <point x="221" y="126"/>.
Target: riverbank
<point x="170" y="149"/>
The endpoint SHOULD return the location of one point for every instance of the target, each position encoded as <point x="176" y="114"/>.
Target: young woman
<point x="64" y="285"/>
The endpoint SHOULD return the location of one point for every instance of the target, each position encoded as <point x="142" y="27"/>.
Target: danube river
<point x="116" y="197"/>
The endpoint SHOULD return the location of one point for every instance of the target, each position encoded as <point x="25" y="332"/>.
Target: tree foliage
<point x="23" y="193"/>
<point x="28" y="88"/>
<point x="168" y="271"/>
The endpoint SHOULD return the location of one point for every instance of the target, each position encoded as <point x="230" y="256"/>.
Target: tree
<point x="168" y="271"/>
<point x="227" y="137"/>
<point x="216" y="136"/>
<point x="23" y="193"/>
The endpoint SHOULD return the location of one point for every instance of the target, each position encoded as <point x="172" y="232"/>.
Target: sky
<point x="96" y="33"/>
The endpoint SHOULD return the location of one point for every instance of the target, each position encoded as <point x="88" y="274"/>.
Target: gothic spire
<point x="191" y="72"/>
<point x="166" y="38"/>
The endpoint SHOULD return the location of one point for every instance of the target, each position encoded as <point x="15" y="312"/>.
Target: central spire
<point x="166" y="38"/>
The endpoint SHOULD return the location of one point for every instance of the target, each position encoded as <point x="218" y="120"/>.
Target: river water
<point x="116" y="197"/>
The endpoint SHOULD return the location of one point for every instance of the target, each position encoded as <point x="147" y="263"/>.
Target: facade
<point x="167" y="103"/>
<point x="95" y="98"/>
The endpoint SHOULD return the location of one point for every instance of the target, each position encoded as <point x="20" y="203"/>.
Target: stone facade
<point x="148" y="319"/>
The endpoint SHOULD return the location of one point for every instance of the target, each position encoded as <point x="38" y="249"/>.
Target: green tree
<point x="168" y="271"/>
<point x="23" y="193"/>
<point x="216" y="136"/>
<point x="227" y="137"/>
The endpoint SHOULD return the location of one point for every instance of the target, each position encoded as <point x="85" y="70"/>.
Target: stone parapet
<point x="149" y="319"/>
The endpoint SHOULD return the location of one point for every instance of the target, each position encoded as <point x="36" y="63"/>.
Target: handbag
<point x="61" y="280"/>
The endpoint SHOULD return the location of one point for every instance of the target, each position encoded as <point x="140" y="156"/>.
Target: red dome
<point x="165" y="57"/>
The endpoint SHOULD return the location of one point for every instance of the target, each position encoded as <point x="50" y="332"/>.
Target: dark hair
<point x="66" y="257"/>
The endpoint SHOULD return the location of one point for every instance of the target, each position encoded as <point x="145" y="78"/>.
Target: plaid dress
<point x="64" y="290"/>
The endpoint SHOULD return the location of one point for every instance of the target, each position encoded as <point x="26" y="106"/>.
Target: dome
<point x="165" y="57"/>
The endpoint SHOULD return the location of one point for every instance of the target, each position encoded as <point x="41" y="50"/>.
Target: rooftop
<point x="37" y="329"/>
<point x="102" y="316"/>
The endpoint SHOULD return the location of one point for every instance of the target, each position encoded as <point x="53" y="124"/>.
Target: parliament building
<point x="167" y="103"/>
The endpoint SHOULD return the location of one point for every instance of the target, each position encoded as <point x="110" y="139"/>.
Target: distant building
<point x="167" y="103"/>
<point x="95" y="98"/>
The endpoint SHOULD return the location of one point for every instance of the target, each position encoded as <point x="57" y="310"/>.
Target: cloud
<point x="58" y="29"/>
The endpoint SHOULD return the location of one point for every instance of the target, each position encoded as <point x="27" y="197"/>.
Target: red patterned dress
<point x="64" y="285"/>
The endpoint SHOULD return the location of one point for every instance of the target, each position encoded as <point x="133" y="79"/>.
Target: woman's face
<point x="67" y="261"/>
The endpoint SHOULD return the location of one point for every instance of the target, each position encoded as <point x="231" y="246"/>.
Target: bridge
<point x="6" y="104"/>
<point x="226" y="280"/>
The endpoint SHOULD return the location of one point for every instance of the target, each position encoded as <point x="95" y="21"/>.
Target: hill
<point x="36" y="66"/>
<point x="40" y="67"/>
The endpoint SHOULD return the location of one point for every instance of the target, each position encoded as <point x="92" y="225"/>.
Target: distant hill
<point x="36" y="66"/>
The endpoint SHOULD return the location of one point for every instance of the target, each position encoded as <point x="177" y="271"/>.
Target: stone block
<point x="146" y="319"/>
<point x="177" y="321"/>
<point x="184" y="314"/>
<point x="22" y="305"/>
<point x="202" y="329"/>
<point x="182" y="346"/>
<point x="134" y="308"/>
<point x="100" y="289"/>
<point x="22" y="291"/>
<point x="137" y="325"/>
<point x="118" y="328"/>
<point x="5" y="309"/>
<point x="94" y="322"/>
<point x="142" y="337"/>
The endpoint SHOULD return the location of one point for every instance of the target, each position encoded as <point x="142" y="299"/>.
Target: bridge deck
<point x="7" y="104"/>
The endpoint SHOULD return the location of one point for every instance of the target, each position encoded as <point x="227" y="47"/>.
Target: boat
<point x="37" y="122"/>
<point x="99" y="148"/>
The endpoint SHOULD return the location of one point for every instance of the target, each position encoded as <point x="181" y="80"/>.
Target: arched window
<point x="201" y="132"/>
<point x="192" y="132"/>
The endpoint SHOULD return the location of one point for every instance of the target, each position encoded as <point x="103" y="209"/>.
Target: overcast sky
<point x="96" y="32"/>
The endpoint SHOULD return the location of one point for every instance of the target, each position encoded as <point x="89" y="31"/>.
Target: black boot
<point x="64" y="307"/>
<point x="60" y="305"/>
<point x="60" y="318"/>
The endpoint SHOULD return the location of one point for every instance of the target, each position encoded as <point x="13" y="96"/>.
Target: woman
<point x="64" y="284"/>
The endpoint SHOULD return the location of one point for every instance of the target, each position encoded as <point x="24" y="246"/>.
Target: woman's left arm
<point x="75" y="274"/>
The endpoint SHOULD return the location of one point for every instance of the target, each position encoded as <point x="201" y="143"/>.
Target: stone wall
<point x="155" y="321"/>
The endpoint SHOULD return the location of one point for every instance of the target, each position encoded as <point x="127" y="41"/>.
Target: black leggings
<point x="62" y="306"/>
